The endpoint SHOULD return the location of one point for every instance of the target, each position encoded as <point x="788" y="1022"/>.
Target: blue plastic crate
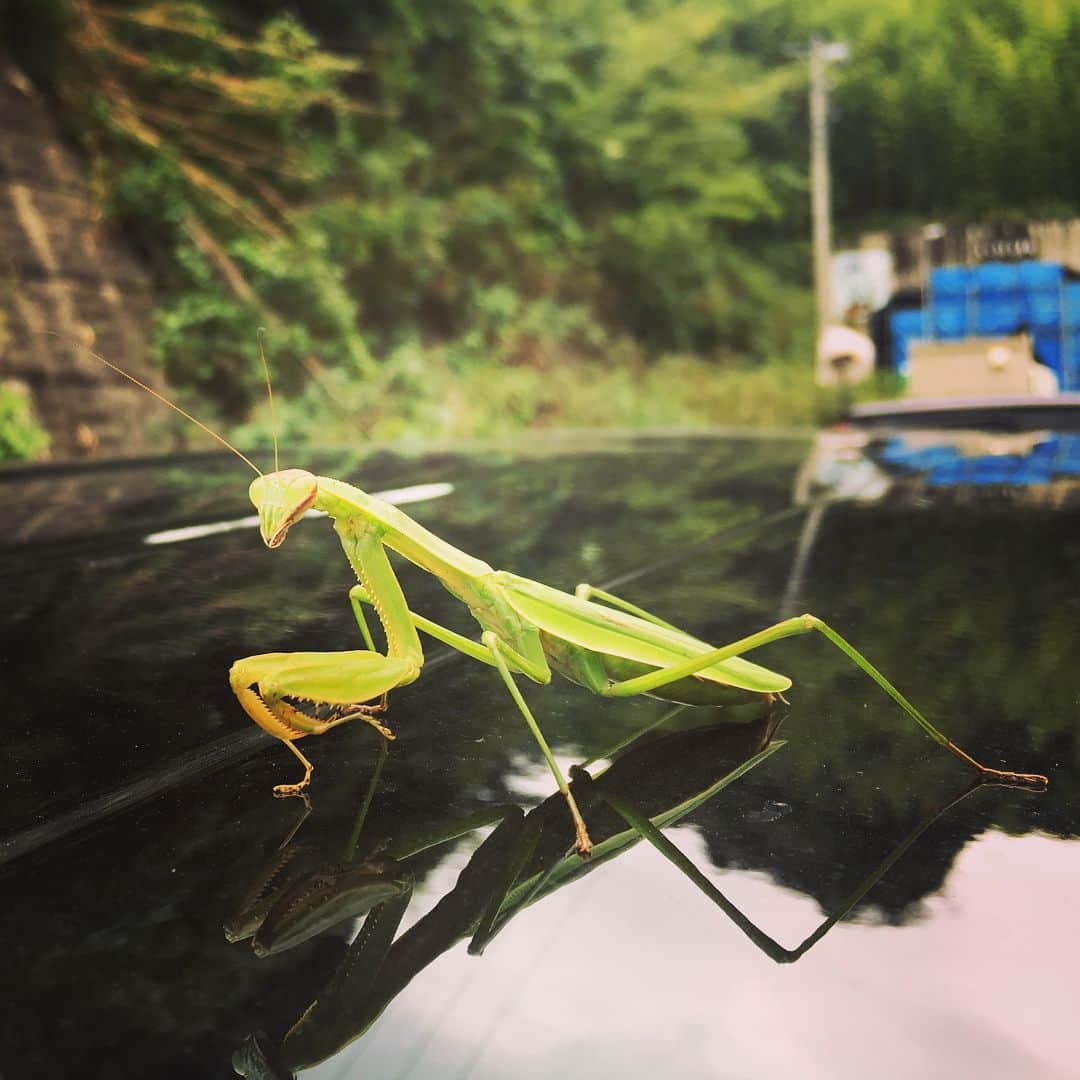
<point x="1070" y="360"/>
<point x="1047" y="346"/>
<point x="1040" y="276"/>
<point x="950" y="281"/>
<point x="996" y="277"/>
<point x="905" y="324"/>
<point x="999" y="313"/>
<point x="1042" y="308"/>
<point x="1070" y="304"/>
<point x="948" y="318"/>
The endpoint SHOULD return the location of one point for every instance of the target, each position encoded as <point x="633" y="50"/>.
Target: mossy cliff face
<point x="62" y="275"/>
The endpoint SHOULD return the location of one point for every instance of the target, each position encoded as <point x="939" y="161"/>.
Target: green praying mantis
<point x="600" y="641"/>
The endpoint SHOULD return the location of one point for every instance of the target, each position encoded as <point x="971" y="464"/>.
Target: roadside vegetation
<point x="468" y="218"/>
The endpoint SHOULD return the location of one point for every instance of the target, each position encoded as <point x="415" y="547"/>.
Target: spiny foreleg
<point x="341" y="683"/>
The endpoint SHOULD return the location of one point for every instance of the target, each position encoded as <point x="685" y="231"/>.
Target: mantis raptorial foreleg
<point x="358" y="595"/>
<point x="269" y="685"/>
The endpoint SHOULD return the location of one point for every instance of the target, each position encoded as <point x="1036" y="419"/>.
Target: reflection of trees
<point x="970" y="613"/>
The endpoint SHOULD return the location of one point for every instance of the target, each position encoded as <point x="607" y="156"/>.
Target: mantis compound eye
<point x="282" y="498"/>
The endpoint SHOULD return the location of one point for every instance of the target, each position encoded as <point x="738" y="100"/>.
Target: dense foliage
<point x="21" y="436"/>
<point x="415" y="199"/>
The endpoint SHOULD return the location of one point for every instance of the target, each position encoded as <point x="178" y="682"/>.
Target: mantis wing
<point x="617" y="633"/>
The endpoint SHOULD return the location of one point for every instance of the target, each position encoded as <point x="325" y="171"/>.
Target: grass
<point x="427" y="397"/>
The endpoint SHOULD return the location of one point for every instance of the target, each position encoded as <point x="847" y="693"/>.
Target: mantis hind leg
<point x="803" y="624"/>
<point x="591" y="592"/>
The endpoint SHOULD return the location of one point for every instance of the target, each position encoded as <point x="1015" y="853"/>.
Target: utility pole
<point x="821" y="54"/>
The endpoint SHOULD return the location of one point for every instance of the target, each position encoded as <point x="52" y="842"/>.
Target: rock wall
<point x="61" y="273"/>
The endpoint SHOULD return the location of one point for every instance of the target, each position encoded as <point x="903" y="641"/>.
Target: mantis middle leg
<point x="495" y="652"/>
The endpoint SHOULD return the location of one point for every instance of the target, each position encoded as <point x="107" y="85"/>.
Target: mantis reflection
<point x="653" y="783"/>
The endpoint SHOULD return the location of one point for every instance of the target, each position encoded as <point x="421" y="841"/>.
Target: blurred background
<point x="709" y="228"/>
<point x="470" y="218"/>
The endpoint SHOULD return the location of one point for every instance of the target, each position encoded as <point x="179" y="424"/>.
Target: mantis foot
<point x="582" y="842"/>
<point x="367" y="713"/>
<point x="583" y="845"/>
<point x="288" y="791"/>
<point x="1028" y="781"/>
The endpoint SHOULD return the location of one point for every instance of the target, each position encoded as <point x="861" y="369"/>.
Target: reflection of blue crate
<point x="948" y="473"/>
<point x="943" y="466"/>
<point x="1067" y="459"/>
<point x="990" y="471"/>
<point x="1009" y="469"/>
<point x="899" y="454"/>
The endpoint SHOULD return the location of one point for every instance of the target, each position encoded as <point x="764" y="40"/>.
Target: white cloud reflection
<point x="633" y="973"/>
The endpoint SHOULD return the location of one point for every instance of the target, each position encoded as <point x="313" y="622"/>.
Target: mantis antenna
<point x="165" y="401"/>
<point x="269" y="393"/>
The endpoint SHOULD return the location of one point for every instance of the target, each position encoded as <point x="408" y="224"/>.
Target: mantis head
<point x="282" y="498"/>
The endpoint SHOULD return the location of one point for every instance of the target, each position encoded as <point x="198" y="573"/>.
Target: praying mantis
<point x="594" y="638"/>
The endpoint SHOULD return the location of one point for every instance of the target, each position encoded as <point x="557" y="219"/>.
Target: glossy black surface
<point x="136" y="807"/>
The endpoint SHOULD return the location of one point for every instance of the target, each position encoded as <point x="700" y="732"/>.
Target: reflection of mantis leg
<point x="518" y="856"/>
<point x="365" y="805"/>
<point x="773" y="949"/>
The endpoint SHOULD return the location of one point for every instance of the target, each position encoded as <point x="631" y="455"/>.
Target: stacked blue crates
<point x="949" y="289"/>
<point x="1041" y="283"/>
<point x="996" y="299"/>
<point x="905" y="324"/>
<point x="1070" y="336"/>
